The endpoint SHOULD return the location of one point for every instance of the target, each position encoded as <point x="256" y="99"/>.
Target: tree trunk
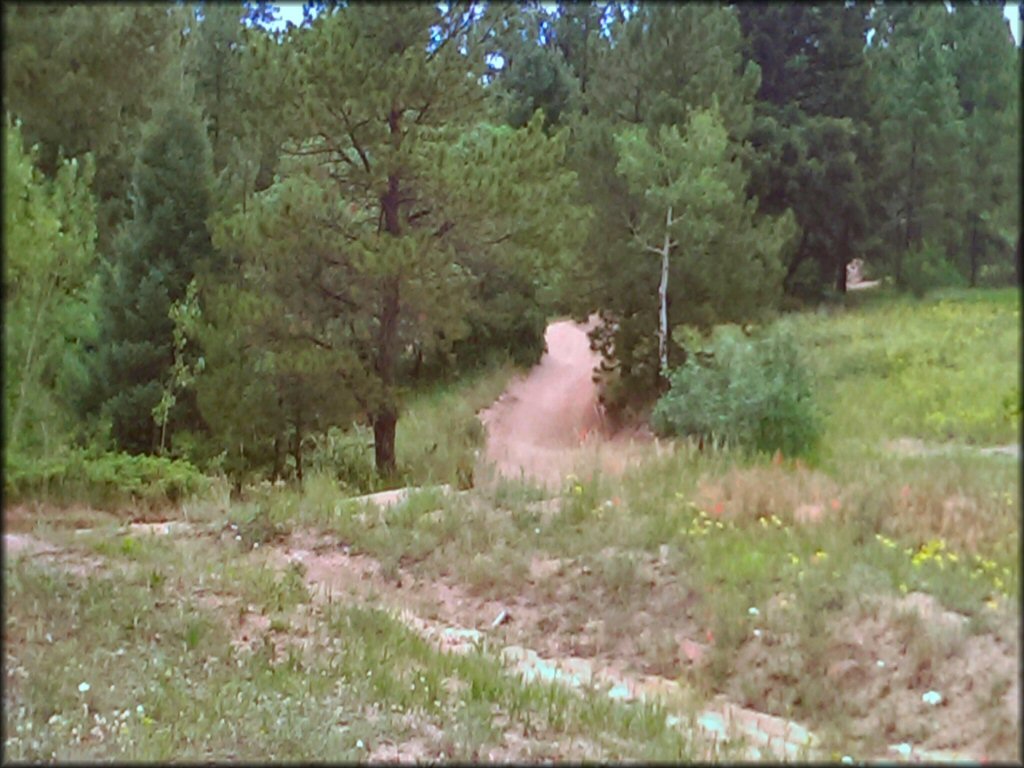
<point x="973" y="252"/>
<point x="386" y="417"/>
<point x="384" y="423"/>
<point x="663" y="298"/>
<point x="843" y="262"/>
<point x="297" y="450"/>
<point x="278" y="462"/>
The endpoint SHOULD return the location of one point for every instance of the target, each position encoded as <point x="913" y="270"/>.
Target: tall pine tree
<point x="158" y="252"/>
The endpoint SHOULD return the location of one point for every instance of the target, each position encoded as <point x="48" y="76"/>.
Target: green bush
<point x="925" y="268"/>
<point x="347" y="456"/>
<point x="108" y="479"/>
<point x="742" y="391"/>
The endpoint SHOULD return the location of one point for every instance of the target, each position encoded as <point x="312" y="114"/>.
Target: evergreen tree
<point x="987" y="71"/>
<point x="158" y="252"/>
<point x="813" y="133"/>
<point x="922" y="131"/>
<point x="83" y="78"/>
<point x="660" y="66"/>
<point x="384" y="193"/>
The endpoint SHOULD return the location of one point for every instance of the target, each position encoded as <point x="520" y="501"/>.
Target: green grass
<point x="439" y="435"/>
<point x="945" y="368"/>
<point x="111" y="666"/>
<point x="688" y="541"/>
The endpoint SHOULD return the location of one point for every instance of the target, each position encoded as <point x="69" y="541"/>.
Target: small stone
<point x="847" y="760"/>
<point x="713" y="722"/>
<point x="619" y="691"/>
<point x="932" y="698"/>
<point x="757" y="633"/>
<point x="880" y="664"/>
<point x="501" y="618"/>
<point x="83" y="687"/>
<point x="903" y="750"/>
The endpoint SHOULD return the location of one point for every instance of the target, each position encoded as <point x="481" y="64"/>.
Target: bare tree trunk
<point x="297" y="450"/>
<point x="663" y="297"/>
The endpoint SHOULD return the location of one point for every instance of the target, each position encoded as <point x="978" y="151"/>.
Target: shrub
<point x="108" y="479"/>
<point x="347" y="456"/>
<point x="742" y="391"/>
<point x="925" y="268"/>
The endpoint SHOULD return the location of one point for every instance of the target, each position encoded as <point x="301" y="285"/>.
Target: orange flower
<point x="835" y="504"/>
<point x="719" y="509"/>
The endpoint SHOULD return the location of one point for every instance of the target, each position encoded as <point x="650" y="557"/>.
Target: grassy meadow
<point x="838" y="591"/>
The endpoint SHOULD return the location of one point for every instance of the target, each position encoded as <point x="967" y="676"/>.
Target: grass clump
<point x="746" y="392"/>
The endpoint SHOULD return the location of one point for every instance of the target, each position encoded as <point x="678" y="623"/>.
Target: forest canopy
<point x="223" y="241"/>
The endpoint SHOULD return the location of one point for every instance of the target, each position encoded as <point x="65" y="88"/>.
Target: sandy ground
<point x="549" y="423"/>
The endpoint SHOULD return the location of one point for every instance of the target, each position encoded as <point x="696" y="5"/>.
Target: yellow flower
<point x="903" y="589"/>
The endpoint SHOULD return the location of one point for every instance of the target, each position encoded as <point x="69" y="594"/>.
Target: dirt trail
<point x="549" y="423"/>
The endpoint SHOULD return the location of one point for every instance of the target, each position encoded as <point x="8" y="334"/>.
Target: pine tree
<point x="83" y="78"/>
<point x="661" y="65"/>
<point x="987" y="70"/>
<point x="382" y="197"/>
<point x="812" y="134"/>
<point x="922" y="131"/>
<point x="158" y="252"/>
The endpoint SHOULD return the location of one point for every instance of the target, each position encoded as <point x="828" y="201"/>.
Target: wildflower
<point x="83" y="687"/>
<point x="835" y="505"/>
<point x="719" y="509"/>
<point x="753" y="611"/>
<point x="820" y="555"/>
<point x="932" y="698"/>
<point x="794" y="559"/>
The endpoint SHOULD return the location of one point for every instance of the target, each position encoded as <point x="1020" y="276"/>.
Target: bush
<point x="105" y="480"/>
<point x="742" y="391"/>
<point x="347" y="456"/>
<point x="925" y="268"/>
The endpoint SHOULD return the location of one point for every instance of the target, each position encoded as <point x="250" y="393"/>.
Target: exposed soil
<point x="549" y="423"/>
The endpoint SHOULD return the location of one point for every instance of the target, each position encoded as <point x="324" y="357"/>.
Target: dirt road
<point x="548" y="423"/>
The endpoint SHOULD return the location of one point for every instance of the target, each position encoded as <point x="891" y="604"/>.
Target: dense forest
<point x="222" y="241"/>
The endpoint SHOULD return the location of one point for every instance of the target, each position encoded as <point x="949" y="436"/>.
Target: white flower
<point x="847" y="760"/>
<point x="360" y="745"/>
<point x="932" y="698"/>
<point x="753" y="611"/>
<point x="880" y="663"/>
<point x="83" y="687"/>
